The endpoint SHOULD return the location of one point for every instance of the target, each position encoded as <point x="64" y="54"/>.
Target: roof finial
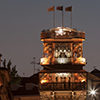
<point x="94" y="67"/>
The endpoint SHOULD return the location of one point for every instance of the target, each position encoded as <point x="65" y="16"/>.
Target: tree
<point x="4" y="63"/>
<point x="9" y="65"/>
<point x="15" y="78"/>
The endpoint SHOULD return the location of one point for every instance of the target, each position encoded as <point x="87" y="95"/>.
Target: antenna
<point x="94" y="67"/>
<point x="33" y="62"/>
<point x="24" y="74"/>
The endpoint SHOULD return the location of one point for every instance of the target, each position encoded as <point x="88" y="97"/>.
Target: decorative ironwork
<point x="59" y="34"/>
<point x="64" y="86"/>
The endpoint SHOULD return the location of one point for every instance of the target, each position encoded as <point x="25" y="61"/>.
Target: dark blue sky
<point x="21" y="22"/>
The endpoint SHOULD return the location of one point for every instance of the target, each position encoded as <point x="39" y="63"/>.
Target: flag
<point x="68" y="8"/>
<point x="60" y="8"/>
<point x="50" y="8"/>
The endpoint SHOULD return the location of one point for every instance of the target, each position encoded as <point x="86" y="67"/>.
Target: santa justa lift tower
<point x="63" y="76"/>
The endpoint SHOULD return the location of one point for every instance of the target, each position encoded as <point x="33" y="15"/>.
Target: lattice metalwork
<point x="77" y="95"/>
<point x="77" y="50"/>
<point x="62" y="50"/>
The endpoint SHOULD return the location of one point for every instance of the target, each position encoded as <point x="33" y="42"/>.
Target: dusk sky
<point x="21" y="22"/>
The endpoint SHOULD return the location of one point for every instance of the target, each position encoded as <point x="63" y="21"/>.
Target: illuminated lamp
<point x="60" y="50"/>
<point x="43" y="60"/>
<point x="64" y="50"/>
<point x="81" y="60"/>
<point x="93" y="92"/>
<point x="62" y="60"/>
<point x="60" y="31"/>
<point x="69" y="53"/>
<point x="63" y="74"/>
<point x="44" y="81"/>
<point x="83" y="80"/>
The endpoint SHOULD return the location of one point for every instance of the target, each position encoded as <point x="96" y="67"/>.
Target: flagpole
<point x="71" y="19"/>
<point x="62" y="18"/>
<point x="54" y="18"/>
<point x="61" y="9"/>
<point x="69" y="9"/>
<point x="52" y="9"/>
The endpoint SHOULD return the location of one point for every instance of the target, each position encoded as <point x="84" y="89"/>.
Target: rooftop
<point x="62" y="32"/>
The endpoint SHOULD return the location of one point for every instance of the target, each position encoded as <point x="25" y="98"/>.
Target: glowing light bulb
<point x="92" y="92"/>
<point x="60" y="32"/>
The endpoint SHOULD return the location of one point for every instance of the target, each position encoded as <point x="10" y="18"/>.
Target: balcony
<point x="64" y="86"/>
<point x="78" y="61"/>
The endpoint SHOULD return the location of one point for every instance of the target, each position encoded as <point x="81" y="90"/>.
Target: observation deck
<point x="62" y="46"/>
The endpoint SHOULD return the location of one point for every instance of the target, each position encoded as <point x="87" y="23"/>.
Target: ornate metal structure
<point x="63" y="77"/>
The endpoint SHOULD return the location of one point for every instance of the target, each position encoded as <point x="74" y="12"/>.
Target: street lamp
<point x="93" y="94"/>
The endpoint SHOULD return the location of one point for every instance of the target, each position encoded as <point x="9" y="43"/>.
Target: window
<point x="62" y="50"/>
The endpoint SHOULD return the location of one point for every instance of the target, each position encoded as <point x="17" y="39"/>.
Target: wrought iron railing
<point x="64" y="86"/>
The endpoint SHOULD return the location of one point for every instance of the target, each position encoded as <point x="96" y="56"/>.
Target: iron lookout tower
<point x="63" y="76"/>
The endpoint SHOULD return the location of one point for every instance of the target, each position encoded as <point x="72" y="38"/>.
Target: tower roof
<point x="96" y="72"/>
<point x="62" y="33"/>
<point x="65" y="29"/>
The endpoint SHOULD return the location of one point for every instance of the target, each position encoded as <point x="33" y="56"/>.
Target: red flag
<point x="68" y="8"/>
<point x="60" y="8"/>
<point x="50" y="8"/>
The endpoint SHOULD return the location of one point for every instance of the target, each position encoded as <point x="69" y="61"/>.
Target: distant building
<point x="95" y="83"/>
<point x="27" y="89"/>
<point x="93" y="86"/>
<point x="96" y="72"/>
